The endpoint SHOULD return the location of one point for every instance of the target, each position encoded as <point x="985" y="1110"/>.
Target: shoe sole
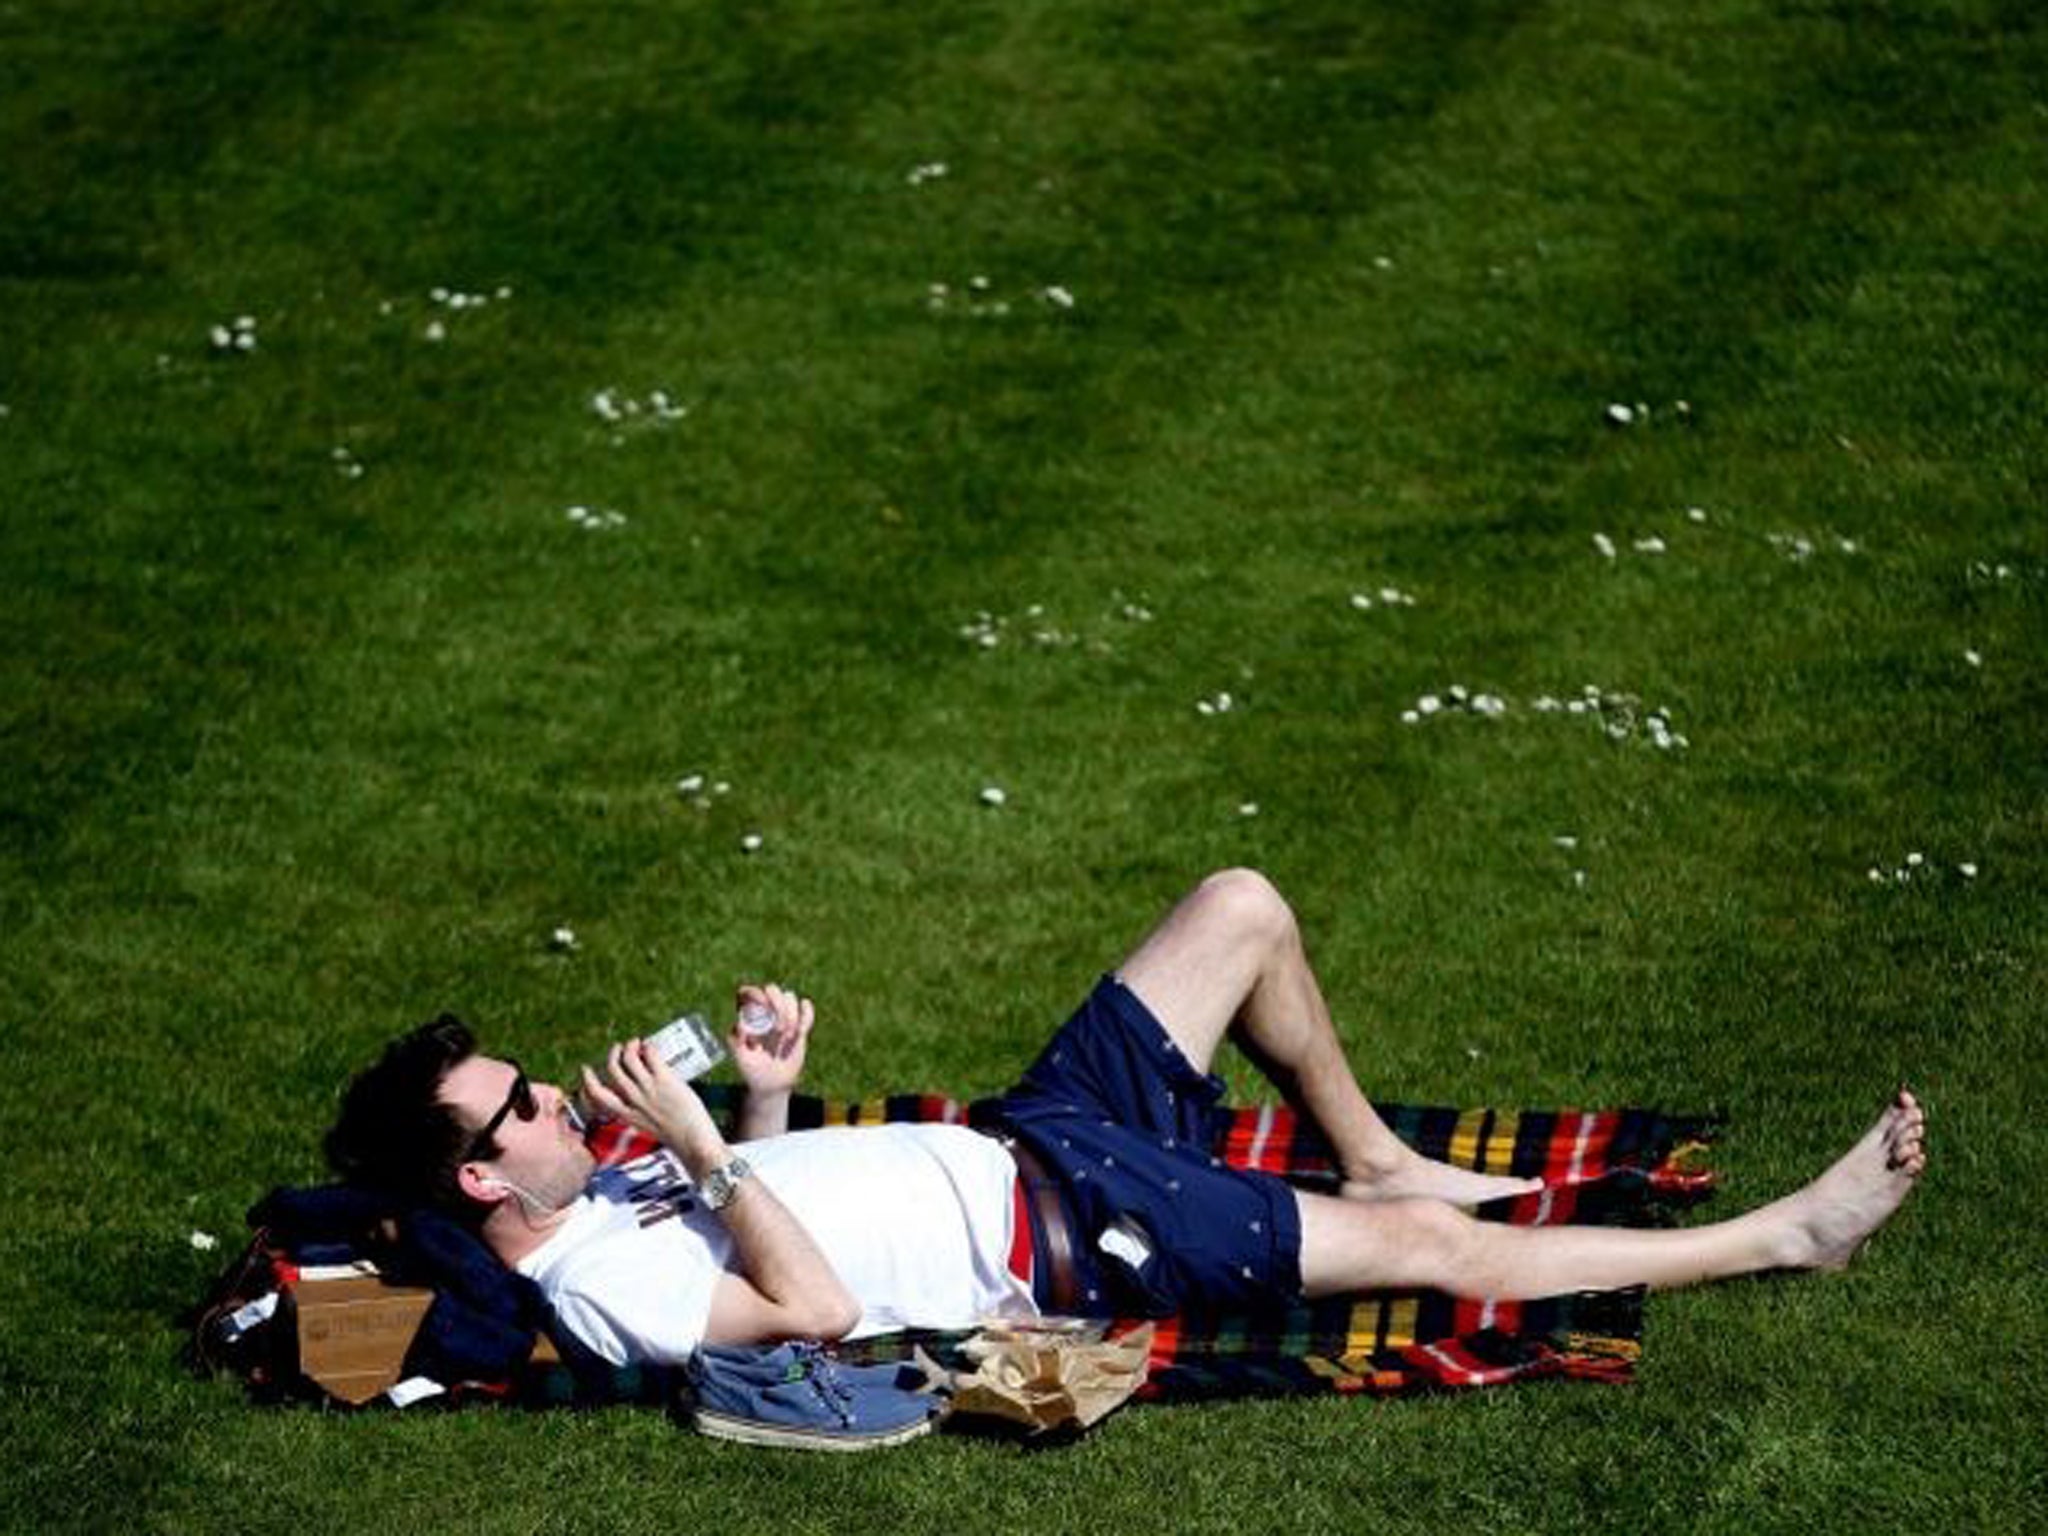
<point x="721" y="1426"/>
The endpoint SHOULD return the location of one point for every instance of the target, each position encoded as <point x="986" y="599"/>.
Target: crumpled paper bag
<point x="1048" y="1374"/>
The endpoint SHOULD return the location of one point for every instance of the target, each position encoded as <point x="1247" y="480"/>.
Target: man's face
<point x="545" y="1157"/>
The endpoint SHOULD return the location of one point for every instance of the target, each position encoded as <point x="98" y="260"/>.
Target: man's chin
<point x="580" y="1167"/>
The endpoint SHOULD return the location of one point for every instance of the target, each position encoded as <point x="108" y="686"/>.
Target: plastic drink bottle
<point x="685" y="1043"/>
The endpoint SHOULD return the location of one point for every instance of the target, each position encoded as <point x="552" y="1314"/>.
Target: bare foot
<point x="1834" y="1215"/>
<point x="1419" y="1176"/>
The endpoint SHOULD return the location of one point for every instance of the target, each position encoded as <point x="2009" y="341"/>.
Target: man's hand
<point x="773" y="1061"/>
<point x="643" y="1090"/>
<point x="770" y="1062"/>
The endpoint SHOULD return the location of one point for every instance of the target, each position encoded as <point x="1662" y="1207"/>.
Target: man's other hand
<point x="771" y="1062"/>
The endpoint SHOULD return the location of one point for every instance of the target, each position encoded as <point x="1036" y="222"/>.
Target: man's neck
<point x="512" y="1234"/>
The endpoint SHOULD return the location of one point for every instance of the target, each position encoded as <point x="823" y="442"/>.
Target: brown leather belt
<point x="1052" y="1239"/>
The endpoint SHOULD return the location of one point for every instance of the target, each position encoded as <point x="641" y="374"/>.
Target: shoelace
<point x="821" y="1371"/>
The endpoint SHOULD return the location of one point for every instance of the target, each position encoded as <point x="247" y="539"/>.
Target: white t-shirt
<point x="915" y="1219"/>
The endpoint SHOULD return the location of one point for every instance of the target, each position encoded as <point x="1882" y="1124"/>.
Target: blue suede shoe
<point x="801" y="1396"/>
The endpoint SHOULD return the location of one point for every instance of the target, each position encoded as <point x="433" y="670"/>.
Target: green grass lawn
<point x="1139" y="341"/>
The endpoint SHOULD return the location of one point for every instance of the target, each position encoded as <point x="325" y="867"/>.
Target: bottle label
<point x="688" y="1045"/>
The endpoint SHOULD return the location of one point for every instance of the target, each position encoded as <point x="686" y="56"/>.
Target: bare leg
<point x="1231" y="955"/>
<point x="1348" y="1246"/>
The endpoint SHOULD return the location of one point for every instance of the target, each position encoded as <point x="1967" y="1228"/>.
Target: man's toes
<point x="1908" y="1151"/>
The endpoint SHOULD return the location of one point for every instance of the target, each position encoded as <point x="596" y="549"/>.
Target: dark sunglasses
<point x="519" y="1101"/>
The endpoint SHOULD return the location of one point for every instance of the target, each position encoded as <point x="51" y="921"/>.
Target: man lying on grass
<point x="1098" y="1197"/>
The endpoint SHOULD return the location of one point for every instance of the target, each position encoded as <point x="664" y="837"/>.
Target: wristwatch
<point x="723" y="1182"/>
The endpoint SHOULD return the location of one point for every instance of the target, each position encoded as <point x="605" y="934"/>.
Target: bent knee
<point x="1248" y="901"/>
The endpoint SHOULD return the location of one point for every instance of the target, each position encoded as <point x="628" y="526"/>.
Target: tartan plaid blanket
<point x="1620" y="1167"/>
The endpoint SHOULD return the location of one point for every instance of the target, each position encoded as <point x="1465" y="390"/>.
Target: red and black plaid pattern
<point x="1627" y="1167"/>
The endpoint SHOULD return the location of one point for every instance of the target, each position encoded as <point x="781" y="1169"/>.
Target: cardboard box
<point x="354" y="1330"/>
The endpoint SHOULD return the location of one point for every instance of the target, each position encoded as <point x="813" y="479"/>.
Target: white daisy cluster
<point x="237" y="336"/>
<point x="455" y="300"/>
<point x="978" y="298"/>
<point x="986" y="629"/>
<point x="1620" y="716"/>
<point x="920" y="174"/>
<point x="612" y="406"/>
<point x="1619" y="414"/>
<point x="1036" y="627"/>
<point x="1800" y="547"/>
<point x="1980" y="570"/>
<point x="1386" y="597"/>
<point x="697" y="791"/>
<point x="1044" y="633"/>
<point x="1221" y="704"/>
<point x="1916" y="867"/>
<point x="1793" y="545"/>
<point x="563" y="940"/>
<point x="595" y="519"/>
<point x="992" y="796"/>
<point x="1648" y="544"/>
<point x="1454" y="700"/>
<point x="346" y="464"/>
<point x="975" y="301"/>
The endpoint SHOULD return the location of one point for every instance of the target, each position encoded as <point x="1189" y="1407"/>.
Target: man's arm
<point x="770" y="1062"/>
<point x="786" y="1288"/>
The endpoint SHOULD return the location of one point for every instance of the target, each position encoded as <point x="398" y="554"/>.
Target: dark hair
<point x="395" y="1135"/>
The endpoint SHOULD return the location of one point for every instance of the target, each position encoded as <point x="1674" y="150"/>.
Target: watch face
<point x="720" y="1183"/>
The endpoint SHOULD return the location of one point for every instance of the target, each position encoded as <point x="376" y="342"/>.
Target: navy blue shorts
<point x="1126" y="1123"/>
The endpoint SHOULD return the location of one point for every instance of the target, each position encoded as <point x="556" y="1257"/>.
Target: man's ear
<point x="484" y="1188"/>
